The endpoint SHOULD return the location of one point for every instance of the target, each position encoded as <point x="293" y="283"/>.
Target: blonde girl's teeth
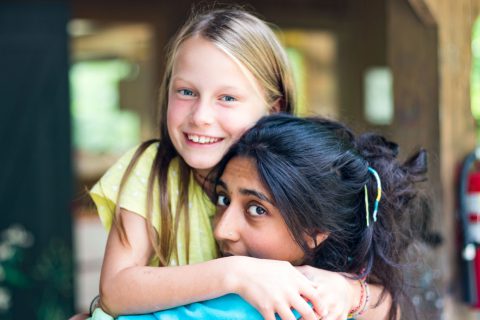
<point x="199" y="139"/>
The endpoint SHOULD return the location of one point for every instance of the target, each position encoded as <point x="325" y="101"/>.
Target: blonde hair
<point x="253" y="44"/>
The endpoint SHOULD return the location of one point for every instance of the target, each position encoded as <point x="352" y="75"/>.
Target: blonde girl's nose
<point x="202" y="113"/>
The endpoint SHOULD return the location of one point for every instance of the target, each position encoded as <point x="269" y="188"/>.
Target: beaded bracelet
<point x="363" y="301"/>
<point x="367" y="298"/>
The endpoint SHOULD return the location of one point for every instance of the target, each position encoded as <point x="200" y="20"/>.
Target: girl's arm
<point x="128" y="285"/>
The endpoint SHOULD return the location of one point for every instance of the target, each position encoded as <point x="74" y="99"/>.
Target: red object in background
<point x="473" y="234"/>
<point x="473" y="200"/>
<point x="473" y="205"/>
<point x="473" y="182"/>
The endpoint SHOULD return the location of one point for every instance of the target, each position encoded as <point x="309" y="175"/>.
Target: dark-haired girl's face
<point x="247" y="221"/>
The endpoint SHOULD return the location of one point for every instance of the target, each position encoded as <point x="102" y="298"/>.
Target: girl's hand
<point x="273" y="287"/>
<point x="339" y="295"/>
<point x="335" y="292"/>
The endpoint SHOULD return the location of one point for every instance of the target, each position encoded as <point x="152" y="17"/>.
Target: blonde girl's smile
<point x="203" y="140"/>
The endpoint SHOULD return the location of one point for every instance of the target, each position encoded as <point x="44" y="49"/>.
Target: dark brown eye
<point x="255" y="210"/>
<point x="223" y="200"/>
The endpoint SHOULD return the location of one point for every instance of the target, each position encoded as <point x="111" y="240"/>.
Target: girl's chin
<point x="201" y="165"/>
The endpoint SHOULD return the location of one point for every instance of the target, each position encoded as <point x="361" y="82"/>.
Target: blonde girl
<point x="225" y="70"/>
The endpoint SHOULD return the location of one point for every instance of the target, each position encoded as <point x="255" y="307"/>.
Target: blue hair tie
<point x="377" y="199"/>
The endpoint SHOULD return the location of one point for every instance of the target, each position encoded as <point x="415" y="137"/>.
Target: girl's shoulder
<point x="145" y="159"/>
<point x="134" y="191"/>
<point x="142" y="166"/>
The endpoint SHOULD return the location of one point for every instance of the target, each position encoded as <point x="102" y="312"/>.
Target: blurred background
<point x="78" y="87"/>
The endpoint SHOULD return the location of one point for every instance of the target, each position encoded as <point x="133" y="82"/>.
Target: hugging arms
<point x="311" y="196"/>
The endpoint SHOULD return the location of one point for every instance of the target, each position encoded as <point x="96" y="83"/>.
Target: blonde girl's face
<point x="247" y="222"/>
<point x="212" y="100"/>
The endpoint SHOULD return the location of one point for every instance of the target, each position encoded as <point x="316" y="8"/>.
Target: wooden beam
<point x="423" y="12"/>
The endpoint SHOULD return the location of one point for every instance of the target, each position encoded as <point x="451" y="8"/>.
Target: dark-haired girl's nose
<point x="226" y="227"/>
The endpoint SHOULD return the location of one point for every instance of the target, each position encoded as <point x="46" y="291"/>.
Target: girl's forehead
<point x="242" y="172"/>
<point x="196" y="52"/>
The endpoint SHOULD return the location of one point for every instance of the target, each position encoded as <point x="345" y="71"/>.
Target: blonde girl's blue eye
<point x="255" y="210"/>
<point x="228" y="99"/>
<point x="223" y="200"/>
<point x="186" y="92"/>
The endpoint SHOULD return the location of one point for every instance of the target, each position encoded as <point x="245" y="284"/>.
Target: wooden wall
<point x="457" y="135"/>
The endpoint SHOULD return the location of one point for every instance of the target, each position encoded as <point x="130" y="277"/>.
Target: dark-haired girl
<point x="309" y="192"/>
<point x="348" y="203"/>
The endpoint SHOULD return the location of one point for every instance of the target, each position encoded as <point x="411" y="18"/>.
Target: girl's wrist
<point x="354" y="290"/>
<point x="231" y="274"/>
<point x="361" y="296"/>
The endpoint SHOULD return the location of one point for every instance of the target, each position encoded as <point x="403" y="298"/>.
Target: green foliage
<point x="45" y="285"/>
<point x="53" y="275"/>
<point x="13" y="242"/>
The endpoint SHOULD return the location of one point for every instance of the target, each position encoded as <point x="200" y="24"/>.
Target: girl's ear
<point x="316" y="240"/>
<point x="275" y="107"/>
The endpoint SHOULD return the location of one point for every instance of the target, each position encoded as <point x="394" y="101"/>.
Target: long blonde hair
<point x="253" y="44"/>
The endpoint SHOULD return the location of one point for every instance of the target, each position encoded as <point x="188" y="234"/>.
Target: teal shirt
<point x="230" y="306"/>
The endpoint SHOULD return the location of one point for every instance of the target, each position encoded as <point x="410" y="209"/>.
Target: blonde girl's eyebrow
<point x="178" y="79"/>
<point x="229" y="88"/>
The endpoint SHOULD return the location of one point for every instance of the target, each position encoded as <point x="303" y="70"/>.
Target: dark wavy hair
<point x="316" y="171"/>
